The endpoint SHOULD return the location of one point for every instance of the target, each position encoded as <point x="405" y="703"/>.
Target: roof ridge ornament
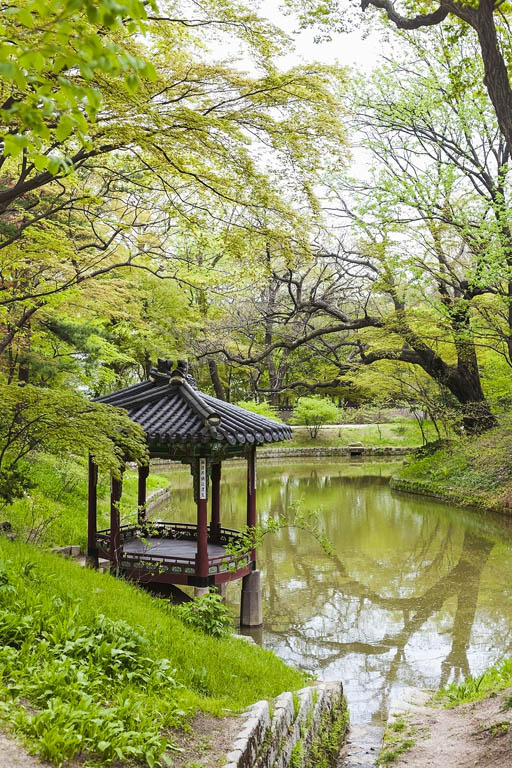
<point x="162" y="372"/>
<point x="180" y="373"/>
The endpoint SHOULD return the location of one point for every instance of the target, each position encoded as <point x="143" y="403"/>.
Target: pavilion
<point x="186" y="425"/>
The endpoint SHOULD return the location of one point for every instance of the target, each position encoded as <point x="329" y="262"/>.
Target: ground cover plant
<point x="95" y="669"/>
<point x="470" y="470"/>
<point x="495" y="679"/>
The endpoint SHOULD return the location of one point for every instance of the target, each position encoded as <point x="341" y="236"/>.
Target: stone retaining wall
<point x="155" y="498"/>
<point x="314" y="452"/>
<point x="299" y="730"/>
<point x="419" y="487"/>
<point x="341" y="450"/>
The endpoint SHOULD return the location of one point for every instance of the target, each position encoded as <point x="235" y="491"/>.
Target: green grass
<point x="398" y="738"/>
<point x="475" y="471"/>
<point x="489" y="683"/>
<point x="399" y="433"/>
<point x="54" y="511"/>
<point x="92" y="668"/>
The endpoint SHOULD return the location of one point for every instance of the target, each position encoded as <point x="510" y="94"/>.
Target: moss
<point x="330" y="736"/>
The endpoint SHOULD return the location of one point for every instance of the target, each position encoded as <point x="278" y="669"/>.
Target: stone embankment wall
<point x="341" y="450"/>
<point x="301" y="730"/>
<point x="155" y="498"/>
<point x="314" y="452"/>
<point x="418" y="487"/>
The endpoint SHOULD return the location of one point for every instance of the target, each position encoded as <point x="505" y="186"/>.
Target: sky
<point x="348" y="49"/>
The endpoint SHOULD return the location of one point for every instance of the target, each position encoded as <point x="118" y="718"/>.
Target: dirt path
<point x="13" y="755"/>
<point x="472" y="735"/>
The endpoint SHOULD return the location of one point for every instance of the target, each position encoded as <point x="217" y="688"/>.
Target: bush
<point x="312" y="412"/>
<point x="207" y="613"/>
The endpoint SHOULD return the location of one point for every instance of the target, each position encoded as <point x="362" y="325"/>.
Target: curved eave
<point x="174" y="413"/>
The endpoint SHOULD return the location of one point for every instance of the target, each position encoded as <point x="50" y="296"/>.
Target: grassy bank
<point x="475" y="471"/>
<point x="398" y="433"/>
<point x="94" y="669"/>
<point x="489" y="683"/>
<point x="54" y="510"/>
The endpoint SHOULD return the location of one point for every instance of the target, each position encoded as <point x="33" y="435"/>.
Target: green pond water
<point x="417" y="593"/>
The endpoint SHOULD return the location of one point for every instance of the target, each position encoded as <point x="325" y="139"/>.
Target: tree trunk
<point x="496" y="75"/>
<point x="216" y="381"/>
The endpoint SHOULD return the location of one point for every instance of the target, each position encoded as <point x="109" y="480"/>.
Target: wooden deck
<point x="175" y="548"/>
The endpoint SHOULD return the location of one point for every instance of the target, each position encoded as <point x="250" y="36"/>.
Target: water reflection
<point x="415" y="594"/>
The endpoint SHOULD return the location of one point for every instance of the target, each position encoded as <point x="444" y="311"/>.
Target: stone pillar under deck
<point x="200" y="591"/>
<point x="251" y="613"/>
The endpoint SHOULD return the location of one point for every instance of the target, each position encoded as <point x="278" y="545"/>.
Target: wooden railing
<point x="172" y="564"/>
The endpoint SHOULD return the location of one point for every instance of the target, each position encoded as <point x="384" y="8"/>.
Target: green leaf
<point x="64" y="127"/>
<point x="14" y="144"/>
<point x="40" y="161"/>
<point x="55" y="165"/>
<point x="8" y="69"/>
<point x="32" y="60"/>
<point x="132" y="82"/>
<point x="25" y="18"/>
<point x="103" y="745"/>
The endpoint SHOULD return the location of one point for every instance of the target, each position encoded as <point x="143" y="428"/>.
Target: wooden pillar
<point x="116" y="489"/>
<point x="251" y="493"/>
<point x="201" y="495"/>
<point x="215" y="521"/>
<point x="141" y="496"/>
<point x="92" y="514"/>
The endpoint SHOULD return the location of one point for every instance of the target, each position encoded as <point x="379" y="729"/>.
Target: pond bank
<point x="475" y="471"/>
<point x="472" y="734"/>
<point x="313" y="452"/>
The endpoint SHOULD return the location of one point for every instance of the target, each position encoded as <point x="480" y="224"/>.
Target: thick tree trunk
<point x="462" y="380"/>
<point x="216" y="380"/>
<point x="496" y="75"/>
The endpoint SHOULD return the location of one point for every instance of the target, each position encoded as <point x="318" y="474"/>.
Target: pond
<point x="417" y="593"/>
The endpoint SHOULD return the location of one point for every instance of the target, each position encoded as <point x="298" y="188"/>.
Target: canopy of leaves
<point x="60" y="422"/>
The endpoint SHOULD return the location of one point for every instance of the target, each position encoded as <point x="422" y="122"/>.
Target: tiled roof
<point x="170" y="409"/>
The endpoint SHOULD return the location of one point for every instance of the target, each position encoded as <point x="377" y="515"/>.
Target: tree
<point x="313" y="412"/>
<point x="35" y="419"/>
<point x="161" y="164"/>
<point x="52" y="55"/>
<point x="423" y="238"/>
<point x="488" y="18"/>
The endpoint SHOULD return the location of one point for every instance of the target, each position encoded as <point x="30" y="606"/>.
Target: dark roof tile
<point x="171" y="410"/>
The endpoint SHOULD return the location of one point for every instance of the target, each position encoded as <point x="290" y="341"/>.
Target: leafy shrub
<point x="313" y="412"/>
<point x="207" y="613"/>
